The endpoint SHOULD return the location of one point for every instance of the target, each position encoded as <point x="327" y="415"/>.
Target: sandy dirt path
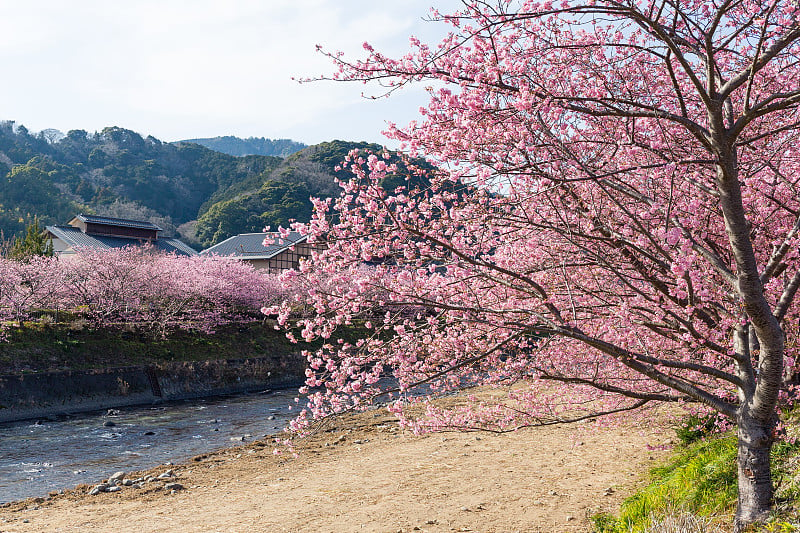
<point x="366" y="475"/>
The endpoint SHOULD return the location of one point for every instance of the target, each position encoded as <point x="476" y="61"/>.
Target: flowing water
<point x="37" y="457"/>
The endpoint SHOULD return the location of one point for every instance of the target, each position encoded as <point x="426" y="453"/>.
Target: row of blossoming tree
<point x="134" y="287"/>
<point x="632" y="236"/>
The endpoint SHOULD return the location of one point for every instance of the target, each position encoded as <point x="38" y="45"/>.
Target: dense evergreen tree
<point x="34" y="243"/>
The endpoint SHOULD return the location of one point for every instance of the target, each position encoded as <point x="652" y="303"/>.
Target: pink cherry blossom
<point x="614" y="222"/>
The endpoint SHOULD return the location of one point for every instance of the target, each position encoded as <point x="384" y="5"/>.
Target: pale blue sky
<point x="178" y="69"/>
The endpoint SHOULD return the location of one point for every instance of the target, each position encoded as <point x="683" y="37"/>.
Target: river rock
<point x="173" y="486"/>
<point x="108" y="424"/>
<point x="118" y="476"/>
<point x="127" y="482"/>
<point x="114" y="489"/>
<point x="166" y="475"/>
<point x="97" y="489"/>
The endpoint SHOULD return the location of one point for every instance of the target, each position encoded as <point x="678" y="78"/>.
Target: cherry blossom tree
<point x="35" y="284"/>
<point x="27" y="287"/>
<point x="106" y="286"/>
<point x="615" y="222"/>
<point x="161" y="292"/>
<point x="139" y="287"/>
<point x="203" y="293"/>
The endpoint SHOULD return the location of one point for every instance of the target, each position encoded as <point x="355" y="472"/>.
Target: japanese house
<point x="104" y="233"/>
<point x="268" y="251"/>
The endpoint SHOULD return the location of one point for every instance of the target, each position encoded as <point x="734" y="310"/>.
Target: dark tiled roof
<point x="75" y="238"/>
<point x="124" y="222"/>
<point x="170" y="245"/>
<point x="251" y="245"/>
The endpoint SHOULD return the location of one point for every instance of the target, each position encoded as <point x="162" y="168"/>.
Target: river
<point x="37" y="457"/>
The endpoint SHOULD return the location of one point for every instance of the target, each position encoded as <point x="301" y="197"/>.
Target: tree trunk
<point x="755" y="478"/>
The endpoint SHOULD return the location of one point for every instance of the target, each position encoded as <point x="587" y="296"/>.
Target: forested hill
<point x="250" y="146"/>
<point x="282" y="194"/>
<point x="199" y="194"/>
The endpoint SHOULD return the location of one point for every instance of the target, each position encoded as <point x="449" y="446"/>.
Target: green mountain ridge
<point x="201" y="195"/>
<point x="281" y="197"/>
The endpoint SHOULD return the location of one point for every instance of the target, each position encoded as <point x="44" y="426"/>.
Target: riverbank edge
<point x="51" y="394"/>
<point x="239" y="471"/>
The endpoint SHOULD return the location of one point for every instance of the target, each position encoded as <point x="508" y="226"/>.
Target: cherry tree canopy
<point x="615" y="220"/>
<point x="137" y="287"/>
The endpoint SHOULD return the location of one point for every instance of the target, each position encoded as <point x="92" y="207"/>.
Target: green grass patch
<point x="699" y="479"/>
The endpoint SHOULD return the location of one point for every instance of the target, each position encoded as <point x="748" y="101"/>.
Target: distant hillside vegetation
<point x="249" y="146"/>
<point x="201" y="195"/>
<point x="284" y="195"/>
<point x="114" y="172"/>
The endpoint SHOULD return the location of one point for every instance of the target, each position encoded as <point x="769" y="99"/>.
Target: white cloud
<point x="180" y="68"/>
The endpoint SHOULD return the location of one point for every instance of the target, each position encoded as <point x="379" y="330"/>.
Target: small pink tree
<point x="106" y="285"/>
<point x="38" y="284"/>
<point x="616" y="219"/>
<point x="203" y="293"/>
<point x="27" y="286"/>
<point x="140" y="287"/>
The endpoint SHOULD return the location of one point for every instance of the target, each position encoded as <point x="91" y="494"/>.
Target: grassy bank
<point x="37" y="347"/>
<point x="695" y="492"/>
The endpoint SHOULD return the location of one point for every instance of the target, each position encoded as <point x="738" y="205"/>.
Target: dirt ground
<point x="366" y="475"/>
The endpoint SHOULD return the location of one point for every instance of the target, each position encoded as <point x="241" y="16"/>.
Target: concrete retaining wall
<point x="25" y="396"/>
